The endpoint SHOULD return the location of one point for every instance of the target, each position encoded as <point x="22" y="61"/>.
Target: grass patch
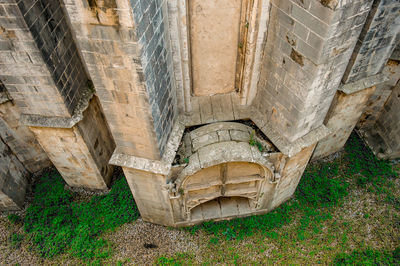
<point x="176" y="260"/>
<point x="16" y="240"/>
<point x="57" y="225"/>
<point x="365" y="168"/>
<point x="14" y="219"/>
<point x="368" y="256"/>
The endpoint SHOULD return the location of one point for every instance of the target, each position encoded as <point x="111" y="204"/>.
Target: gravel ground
<point x="137" y="243"/>
<point x="144" y="242"/>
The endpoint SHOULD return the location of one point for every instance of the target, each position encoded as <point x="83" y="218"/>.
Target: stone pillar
<point x="80" y="151"/>
<point x="13" y="179"/>
<point x="41" y="68"/>
<point x="151" y="195"/>
<point x="307" y="49"/>
<point x="374" y="106"/>
<point x="126" y="50"/>
<point x="383" y="133"/>
<point x="14" y="141"/>
<point x="18" y="137"/>
<point x="345" y="111"/>
<point x="377" y="41"/>
<point x="291" y="175"/>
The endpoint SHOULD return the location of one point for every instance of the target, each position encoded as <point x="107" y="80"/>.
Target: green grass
<point x="14" y="218"/>
<point x="175" y="260"/>
<point x="57" y="225"/>
<point x="368" y="256"/>
<point x="16" y="240"/>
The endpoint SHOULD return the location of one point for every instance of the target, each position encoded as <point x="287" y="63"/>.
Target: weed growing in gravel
<point x="14" y="219"/>
<point x="16" y="240"/>
<point x="368" y="256"/>
<point x="56" y="224"/>
<point x="176" y="260"/>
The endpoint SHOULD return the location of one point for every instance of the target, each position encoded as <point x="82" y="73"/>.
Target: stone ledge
<point x="283" y="144"/>
<point x="33" y="120"/>
<point x="162" y="166"/>
<point x="362" y="84"/>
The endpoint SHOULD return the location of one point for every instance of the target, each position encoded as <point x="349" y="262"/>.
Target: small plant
<point x="176" y="260"/>
<point x="186" y="160"/>
<point x="14" y="219"/>
<point x="16" y="240"/>
<point x="254" y="142"/>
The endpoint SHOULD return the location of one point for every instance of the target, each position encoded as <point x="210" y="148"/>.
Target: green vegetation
<point x="254" y="142"/>
<point x="57" y="225"/>
<point x="16" y="240"/>
<point x="14" y="219"/>
<point x="368" y="256"/>
<point x="176" y="260"/>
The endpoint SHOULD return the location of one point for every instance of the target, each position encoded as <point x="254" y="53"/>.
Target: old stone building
<point x="212" y="108"/>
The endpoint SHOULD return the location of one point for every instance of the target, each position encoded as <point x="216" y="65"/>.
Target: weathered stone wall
<point x="307" y="49"/>
<point x="345" y="110"/>
<point x="22" y="67"/>
<point x="13" y="179"/>
<point x="378" y="39"/>
<point x="80" y="153"/>
<point x="151" y="195"/>
<point x="156" y="56"/>
<point x="48" y="25"/>
<point x="106" y="35"/>
<point x="98" y="139"/>
<point x="291" y="175"/>
<point x="20" y="139"/>
<point x="384" y="136"/>
<point x="396" y="53"/>
<point x="374" y="106"/>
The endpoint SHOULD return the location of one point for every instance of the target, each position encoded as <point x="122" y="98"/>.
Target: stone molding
<point x="364" y="83"/>
<point x="33" y="120"/>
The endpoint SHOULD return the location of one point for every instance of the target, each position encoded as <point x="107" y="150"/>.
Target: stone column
<point x="40" y="67"/>
<point x="18" y="137"/>
<point x="376" y="43"/>
<point x="79" y="147"/>
<point x="125" y="48"/>
<point x="345" y="111"/>
<point x="307" y="49"/>
<point x="384" y="137"/>
<point x="13" y="179"/>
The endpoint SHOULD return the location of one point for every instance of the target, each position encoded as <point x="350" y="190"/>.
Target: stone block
<point x="343" y="116"/>
<point x="13" y="180"/>
<point x="80" y="153"/>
